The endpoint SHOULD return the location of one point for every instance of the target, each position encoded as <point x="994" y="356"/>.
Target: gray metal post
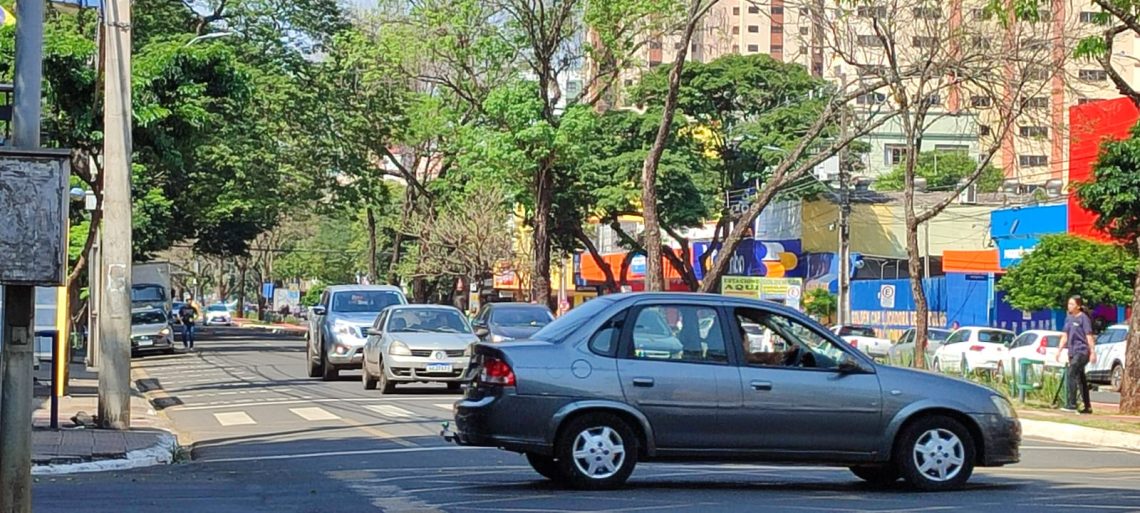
<point x="115" y="311"/>
<point x="19" y="301"/>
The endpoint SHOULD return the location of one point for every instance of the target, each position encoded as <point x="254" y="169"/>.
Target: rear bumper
<point x="1001" y="439"/>
<point x="506" y="421"/>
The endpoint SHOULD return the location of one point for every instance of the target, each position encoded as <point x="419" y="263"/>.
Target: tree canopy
<point x="943" y="171"/>
<point x="1062" y="266"/>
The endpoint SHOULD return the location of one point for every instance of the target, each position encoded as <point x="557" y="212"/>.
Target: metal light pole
<point x="115" y="250"/>
<point x="19" y="300"/>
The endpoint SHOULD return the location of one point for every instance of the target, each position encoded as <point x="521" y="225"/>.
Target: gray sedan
<point x="417" y="343"/>
<point x="150" y="331"/>
<point x="585" y="399"/>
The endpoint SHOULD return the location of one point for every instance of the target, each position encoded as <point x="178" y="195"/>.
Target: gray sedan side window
<point x="604" y="341"/>
<point x="681" y="333"/>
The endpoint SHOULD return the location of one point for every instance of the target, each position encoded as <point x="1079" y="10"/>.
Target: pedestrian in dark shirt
<point x="1077" y="335"/>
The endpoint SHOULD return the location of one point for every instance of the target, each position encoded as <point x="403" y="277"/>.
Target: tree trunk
<point x="1130" y="385"/>
<point x="540" y="277"/>
<point x="654" y="273"/>
<point x="611" y="284"/>
<point x="372" y="273"/>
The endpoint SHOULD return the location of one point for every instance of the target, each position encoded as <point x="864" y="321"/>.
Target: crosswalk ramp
<point x="318" y="414"/>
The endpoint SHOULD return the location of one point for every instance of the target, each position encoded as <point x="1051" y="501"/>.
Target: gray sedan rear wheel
<point x="596" y="451"/>
<point x="935" y="453"/>
<point x="545" y="466"/>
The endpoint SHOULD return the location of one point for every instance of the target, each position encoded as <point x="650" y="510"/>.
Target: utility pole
<point x="115" y="310"/>
<point x="844" y="253"/>
<point x="19" y="300"/>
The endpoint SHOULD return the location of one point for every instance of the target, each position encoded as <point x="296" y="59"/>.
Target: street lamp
<point x="204" y="37"/>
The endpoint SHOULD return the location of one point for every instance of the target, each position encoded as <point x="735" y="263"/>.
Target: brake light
<point x="497" y="372"/>
<point x="977" y="348"/>
<point x="855" y="343"/>
<point x="1041" y="347"/>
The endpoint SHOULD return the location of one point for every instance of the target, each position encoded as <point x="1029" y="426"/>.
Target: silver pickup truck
<point x="338" y="326"/>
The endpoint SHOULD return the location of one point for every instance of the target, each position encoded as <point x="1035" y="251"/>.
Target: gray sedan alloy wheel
<point x="596" y="451"/>
<point x="935" y="453"/>
<point x="939" y="455"/>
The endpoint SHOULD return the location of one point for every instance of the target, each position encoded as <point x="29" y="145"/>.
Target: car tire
<point x="329" y="372"/>
<point x="935" y="454"/>
<point x="366" y="377"/>
<point x="546" y="466"/>
<point x="314" y="366"/>
<point x="936" y="366"/>
<point x="386" y="385"/>
<point x="603" y="432"/>
<point x="877" y="475"/>
<point x="1116" y="377"/>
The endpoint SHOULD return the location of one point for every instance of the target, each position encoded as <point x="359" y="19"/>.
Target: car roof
<point x="527" y="306"/>
<point x="350" y="288"/>
<point x="421" y="306"/>
<point x="630" y="297"/>
<point x="1042" y="332"/>
<point x="987" y="328"/>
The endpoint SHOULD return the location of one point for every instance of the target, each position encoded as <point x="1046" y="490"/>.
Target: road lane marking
<point x="234" y="418"/>
<point x="313" y="414"/>
<point x="447" y="406"/>
<point x="388" y="410"/>
<point x="297" y="401"/>
<point x="342" y="453"/>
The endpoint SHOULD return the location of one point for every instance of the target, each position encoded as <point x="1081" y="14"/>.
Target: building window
<point x="777" y="48"/>
<point x="804" y="11"/>
<point x="1035" y="44"/>
<point x="677" y="46"/>
<point x="778" y="9"/>
<point x="694" y="47"/>
<point x="753" y="29"/>
<point x="924" y="41"/>
<point x="1093" y="75"/>
<point x="753" y="48"/>
<point x="871" y="99"/>
<point x="735" y="30"/>
<point x="1044" y="15"/>
<point x="1091" y="17"/>
<point x="629" y="82"/>
<point x="894" y="154"/>
<point x="736" y="11"/>
<point x="983" y="130"/>
<point x="981" y="101"/>
<point x="934" y="100"/>
<point x="869" y="40"/>
<point x="735" y="48"/>
<point x="1036" y="102"/>
<point x="752" y="9"/>
<point x="927" y="13"/>
<point x="655" y="45"/>
<point x="871" y="11"/>
<point x="1082" y="101"/>
<point x="979" y="14"/>
<point x="1034" y="131"/>
<point x="777" y="28"/>
<point x="1038" y="73"/>
<point x="805" y="31"/>
<point x="1032" y="160"/>
<point x="871" y="70"/>
<point x="951" y="148"/>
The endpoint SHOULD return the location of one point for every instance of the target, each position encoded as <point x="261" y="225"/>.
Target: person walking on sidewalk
<point x="186" y="315"/>
<point x="1077" y="336"/>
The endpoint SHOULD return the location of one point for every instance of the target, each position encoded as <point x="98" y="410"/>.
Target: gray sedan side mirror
<point x="318" y="310"/>
<point x="849" y="365"/>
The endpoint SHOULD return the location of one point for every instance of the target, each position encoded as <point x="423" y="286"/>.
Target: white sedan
<point x="417" y="343"/>
<point x="1109" y="366"/>
<point x="1041" y="345"/>
<point x="976" y="347"/>
<point x="217" y="314"/>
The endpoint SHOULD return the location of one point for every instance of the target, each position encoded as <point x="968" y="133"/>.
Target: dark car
<point x="584" y="400"/>
<point x="500" y="322"/>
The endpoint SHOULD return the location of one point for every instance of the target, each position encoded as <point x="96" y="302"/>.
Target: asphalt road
<point x="267" y="438"/>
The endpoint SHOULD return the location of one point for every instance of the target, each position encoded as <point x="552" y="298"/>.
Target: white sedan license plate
<point x="438" y="367"/>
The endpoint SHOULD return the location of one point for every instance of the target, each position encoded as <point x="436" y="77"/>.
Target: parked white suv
<point x="1109" y="366"/>
<point x="978" y="347"/>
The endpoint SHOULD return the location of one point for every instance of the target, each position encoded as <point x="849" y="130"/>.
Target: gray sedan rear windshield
<point x="565" y="325"/>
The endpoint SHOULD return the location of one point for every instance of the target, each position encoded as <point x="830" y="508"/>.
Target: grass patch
<point x="1093" y="421"/>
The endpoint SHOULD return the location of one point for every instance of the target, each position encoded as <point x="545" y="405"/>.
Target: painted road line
<point x="313" y="414"/>
<point x="388" y="410"/>
<point x="444" y="406"/>
<point x="234" y="418"/>
<point x="302" y="400"/>
<point x="343" y="453"/>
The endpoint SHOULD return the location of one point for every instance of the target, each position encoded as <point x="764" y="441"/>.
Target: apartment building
<point x="840" y="44"/>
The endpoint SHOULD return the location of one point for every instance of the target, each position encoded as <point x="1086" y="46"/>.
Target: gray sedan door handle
<point x="643" y="382"/>
<point x="761" y="385"/>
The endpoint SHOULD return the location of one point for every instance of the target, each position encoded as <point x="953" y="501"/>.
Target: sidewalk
<point x="1107" y="428"/>
<point x="75" y="448"/>
<point x="277" y="328"/>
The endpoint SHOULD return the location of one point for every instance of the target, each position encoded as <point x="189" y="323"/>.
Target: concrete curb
<point x="1073" y="433"/>
<point x="161" y="453"/>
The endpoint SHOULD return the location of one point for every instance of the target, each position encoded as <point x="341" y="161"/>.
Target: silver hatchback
<point x="674" y="377"/>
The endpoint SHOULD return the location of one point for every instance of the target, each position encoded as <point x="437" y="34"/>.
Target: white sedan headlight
<point x="499" y="338"/>
<point x="399" y="349"/>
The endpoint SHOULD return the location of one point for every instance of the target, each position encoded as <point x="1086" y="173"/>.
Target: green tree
<point x="820" y="304"/>
<point x="1062" y="266"/>
<point x="1114" y="195"/>
<point x="943" y="171"/>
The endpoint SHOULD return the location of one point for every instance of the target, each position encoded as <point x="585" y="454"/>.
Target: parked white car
<point x="978" y="347"/>
<point x="1041" y="345"/>
<point x="864" y="339"/>
<point x="1109" y="366"/>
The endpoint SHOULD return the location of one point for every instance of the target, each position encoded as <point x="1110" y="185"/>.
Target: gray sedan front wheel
<point x="596" y="451"/>
<point x="935" y="453"/>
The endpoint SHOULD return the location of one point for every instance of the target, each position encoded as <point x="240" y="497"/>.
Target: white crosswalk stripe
<point x="234" y="418"/>
<point x="314" y="414"/>
<point x="389" y="410"/>
<point x="445" y="406"/>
